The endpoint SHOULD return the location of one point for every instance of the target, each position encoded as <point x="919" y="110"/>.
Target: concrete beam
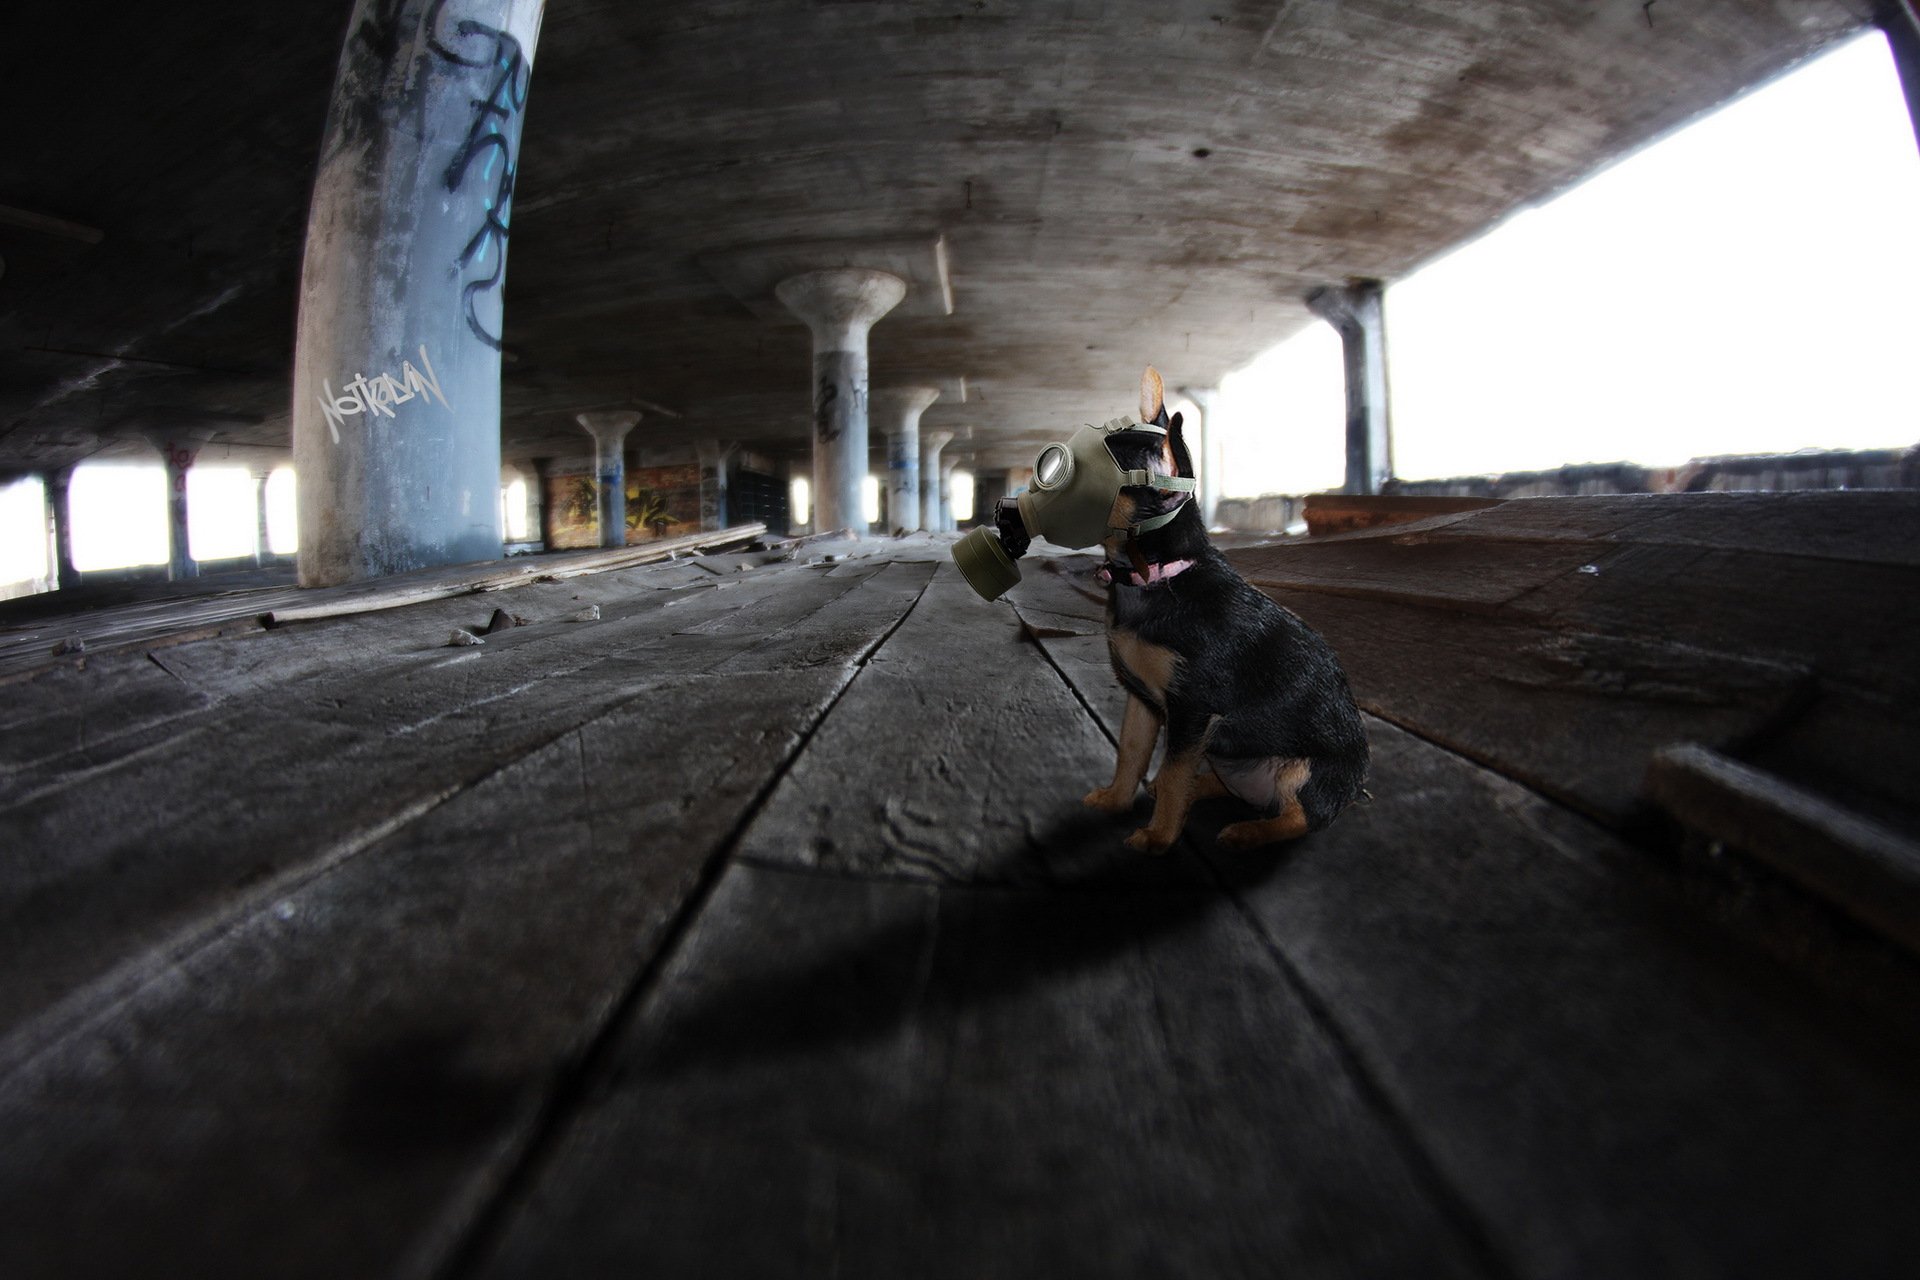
<point x="1356" y="312"/>
<point x="840" y="306"/>
<point x="396" y="404"/>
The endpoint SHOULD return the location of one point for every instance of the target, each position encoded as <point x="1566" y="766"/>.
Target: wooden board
<point x="116" y="855"/>
<point x="1575" y="715"/>
<point x="1855" y="624"/>
<point x="1343" y="513"/>
<point x="882" y="1078"/>
<point x="28" y="648"/>
<point x="1418" y="568"/>
<point x="1617" y="1087"/>
<point x="1865" y="526"/>
<point x="988" y="753"/>
<point x="341" y="1073"/>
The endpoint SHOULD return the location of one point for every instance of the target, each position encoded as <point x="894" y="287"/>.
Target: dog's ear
<point x="1153" y="398"/>
<point x="1177" y="446"/>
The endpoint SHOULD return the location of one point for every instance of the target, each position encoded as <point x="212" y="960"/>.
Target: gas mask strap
<point x="1148" y="526"/>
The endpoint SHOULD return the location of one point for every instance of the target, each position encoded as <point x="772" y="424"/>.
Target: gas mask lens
<point x="1053" y="467"/>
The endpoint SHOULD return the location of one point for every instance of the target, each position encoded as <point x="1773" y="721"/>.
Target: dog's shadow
<point x="785" y="966"/>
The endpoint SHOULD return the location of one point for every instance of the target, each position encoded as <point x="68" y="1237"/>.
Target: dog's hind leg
<point x="1289" y="824"/>
<point x="1139" y="730"/>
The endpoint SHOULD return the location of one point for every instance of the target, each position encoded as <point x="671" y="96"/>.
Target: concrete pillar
<point x="1207" y="457"/>
<point x="396" y="387"/>
<point x="542" y="468"/>
<point x="60" y="510"/>
<point x="609" y="431"/>
<point x="178" y="455"/>
<point x="1900" y="22"/>
<point x="946" y="494"/>
<point x="900" y="409"/>
<point x="931" y="444"/>
<point x="262" y="540"/>
<point x="716" y="459"/>
<point x="1355" y="311"/>
<point x="840" y="306"/>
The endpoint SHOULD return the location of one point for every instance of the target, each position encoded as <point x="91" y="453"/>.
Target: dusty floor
<point x="755" y="928"/>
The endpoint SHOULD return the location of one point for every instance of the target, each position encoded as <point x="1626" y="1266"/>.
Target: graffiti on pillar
<point x="378" y="396"/>
<point x="488" y="144"/>
<point x="825" y="429"/>
<point x="178" y="460"/>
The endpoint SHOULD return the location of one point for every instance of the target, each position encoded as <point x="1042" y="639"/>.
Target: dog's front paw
<point x="1145" y="841"/>
<point x="1107" y="800"/>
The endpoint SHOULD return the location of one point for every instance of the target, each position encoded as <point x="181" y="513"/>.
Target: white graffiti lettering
<point x="378" y="396"/>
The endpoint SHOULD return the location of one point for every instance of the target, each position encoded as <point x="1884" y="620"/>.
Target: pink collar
<point x="1155" y="573"/>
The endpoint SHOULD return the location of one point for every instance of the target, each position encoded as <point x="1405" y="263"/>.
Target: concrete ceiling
<point x="1112" y="184"/>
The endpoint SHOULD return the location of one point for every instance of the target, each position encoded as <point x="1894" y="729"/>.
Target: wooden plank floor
<point x="755" y="928"/>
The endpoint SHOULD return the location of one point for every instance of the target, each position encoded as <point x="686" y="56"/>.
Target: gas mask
<point x="1076" y="486"/>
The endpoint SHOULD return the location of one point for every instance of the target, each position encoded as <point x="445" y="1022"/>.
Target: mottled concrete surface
<point x="1116" y="183"/>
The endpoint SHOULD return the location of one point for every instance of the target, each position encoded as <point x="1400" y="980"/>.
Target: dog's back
<point x="1280" y="712"/>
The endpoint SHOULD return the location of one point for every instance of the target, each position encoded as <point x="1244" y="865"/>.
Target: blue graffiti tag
<point x="487" y="136"/>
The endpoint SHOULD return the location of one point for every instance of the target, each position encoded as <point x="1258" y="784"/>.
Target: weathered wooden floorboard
<point x="874" y="1078"/>
<point x="1852" y="623"/>
<point x="1499" y="965"/>
<point x="311" y="664"/>
<point x="69" y="710"/>
<point x="1865" y="526"/>
<point x="1471" y="574"/>
<point x="332" y="1084"/>
<point x="1505" y="692"/>
<point x="108" y="869"/>
<point x="1060" y="611"/>
<point x="960" y="755"/>
<point x="1619" y="1087"/>
<point x="110" y="696"/>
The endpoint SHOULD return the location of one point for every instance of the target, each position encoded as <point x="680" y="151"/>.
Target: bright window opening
<point x="513" y="510"/>
<point x="1283" y="419"/>
<point x="119" y="515"/>
<point x="283" y="517"/>
<point x="799" y="500"/>
<point x="870" y="499"/>
<point x="223" y="517"/>
<point x="961" y="491"/>
<point x="1742" y="286"/>
<point x="23" y="535"/>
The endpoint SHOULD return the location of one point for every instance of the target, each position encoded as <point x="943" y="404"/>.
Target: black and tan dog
<point x="1240" y="684"/>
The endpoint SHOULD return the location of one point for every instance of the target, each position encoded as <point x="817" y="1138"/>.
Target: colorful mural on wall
<point x="662" y="502"/>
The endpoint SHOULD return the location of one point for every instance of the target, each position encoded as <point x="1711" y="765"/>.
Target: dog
<point x="1241" y="685"/>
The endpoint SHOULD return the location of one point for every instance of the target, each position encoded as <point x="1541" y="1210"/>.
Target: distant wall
<point x="661" y="502"/>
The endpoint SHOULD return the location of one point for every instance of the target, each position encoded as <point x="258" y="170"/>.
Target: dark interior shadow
<point x="798" y="984"/>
